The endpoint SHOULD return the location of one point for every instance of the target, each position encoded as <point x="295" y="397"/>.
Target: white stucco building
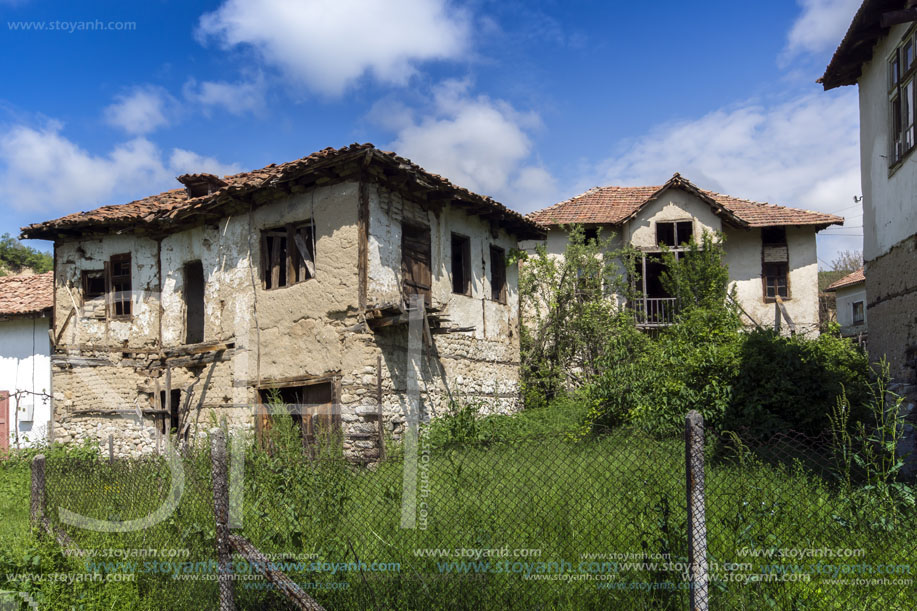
<point x="25" y="365"/>
<point x="850" y="292"/>
<point x="878" y="55"/>
<point x="770" y="250"/>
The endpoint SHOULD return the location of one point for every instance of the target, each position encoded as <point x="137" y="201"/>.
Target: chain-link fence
<point x="548" y="522"/>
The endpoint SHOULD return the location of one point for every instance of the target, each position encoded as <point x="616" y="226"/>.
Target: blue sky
<point x="530" y="102"/>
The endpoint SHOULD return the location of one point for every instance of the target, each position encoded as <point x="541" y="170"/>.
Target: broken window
<point x="674" y="234"/>
<point x="417" y="277"/>
<point x="93" y="284"/>
<point x="193" y="294"/>
<point x="311" y="408"/>
<point x="171" y="405"/>
<point x="776" y="281"/>
<point x="461" y="264"/>
<point x="497" y="274"/>
<point x="287" y="255"/>
<point x="120" y="289"/>
<point x="902" y="99"/>
<point x="773" y="236"/>
<point x="859" y="312"/>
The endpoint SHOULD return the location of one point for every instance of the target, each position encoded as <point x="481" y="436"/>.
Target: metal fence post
<point x="221" y="513"/>
<point x="697" y="523"/>
<point x="37" y="496"/>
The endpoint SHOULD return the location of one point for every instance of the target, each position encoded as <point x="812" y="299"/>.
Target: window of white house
<point x="497" y="274"/>
<point x="776" y="280"/>
<point x="674" y="234"/>
<point x="859" y="312"/>
<point x="901" y="99"/>
<point x="461" y="264"/>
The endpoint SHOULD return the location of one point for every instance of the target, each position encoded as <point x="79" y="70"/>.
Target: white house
<point x="878" y="55"/>
<point x="850" y="292"/>
<point x="770" y="250"/>
<point x="25" y="359"/>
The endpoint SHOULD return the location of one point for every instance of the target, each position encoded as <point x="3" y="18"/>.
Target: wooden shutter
<point x="416" y="266"/>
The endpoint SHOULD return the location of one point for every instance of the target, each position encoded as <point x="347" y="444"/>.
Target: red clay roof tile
<point x="24" y="295"/>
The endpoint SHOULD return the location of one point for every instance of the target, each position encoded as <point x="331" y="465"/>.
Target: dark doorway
<point x="194" y="302"/>
<point x="170" y="421"/>
<point x="311" y="408"/>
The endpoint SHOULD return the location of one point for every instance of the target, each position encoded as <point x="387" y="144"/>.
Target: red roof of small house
<point x="616" y="205"/>
<point x="856" y="277"/>
<point x="26" y="295"/>
<point x="166" y="209"/>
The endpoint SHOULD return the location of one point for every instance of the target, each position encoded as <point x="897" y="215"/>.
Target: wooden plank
<point x="275" y="262"/>
<point x="292" y="261"/>
<point x="306" y="262"/>
<point x="283" y="584"/>
<point x="300" y="380"/>
<point x="363" y="245"/>
<point x="895" y="17"/>
<point x="381" y="422"/>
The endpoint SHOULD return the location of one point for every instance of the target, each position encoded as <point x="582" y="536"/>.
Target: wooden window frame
<point x="463" y="242"/>
<point x="116" y="287"/>
<point x="498" y="294"/>
<point x="677" y="242"/>
<point x="283" y="263"/>
<point x="853" y="312"/>
<point x="764" y="284"/>
<point x="902" y="101"/>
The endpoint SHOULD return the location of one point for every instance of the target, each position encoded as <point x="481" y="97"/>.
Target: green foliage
<point x="16" y="257"/>
<point x="866" y="453"/>
<point x="793" y="382"/>
<point x="570" y="318"/>
<point x="758" y="381"/>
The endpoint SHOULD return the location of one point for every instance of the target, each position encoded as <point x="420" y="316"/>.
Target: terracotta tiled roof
<point x="170" y="206"/>
<point x="615" y="205"/>
<point x="23" y="295"/>
<point x="849" y="280"/>
<point x="856" y="47"/>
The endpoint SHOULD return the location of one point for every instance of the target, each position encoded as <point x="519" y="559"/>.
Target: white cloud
<point x="235" y="98"/>
<point x="329" y="44"/>
<point x="476" y="142"/>
<point x="820" y="27"/>
<point x="142" y="110"/>
<point x="42" y="170"/>
<point x="803" y="152"/>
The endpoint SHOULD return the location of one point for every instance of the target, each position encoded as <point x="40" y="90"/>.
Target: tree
<point x="569" y="310"/>
<point x="16" y="257"/>
<point x="847" y="261"/>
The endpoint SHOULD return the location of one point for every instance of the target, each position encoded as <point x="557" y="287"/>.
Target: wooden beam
<point x="895" y="17"/>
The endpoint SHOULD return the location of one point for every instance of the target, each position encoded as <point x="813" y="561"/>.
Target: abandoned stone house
<point x="770" y="250"/>
<point x="202" y="303"/>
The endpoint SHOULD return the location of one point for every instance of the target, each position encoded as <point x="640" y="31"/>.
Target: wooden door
<point x="4" y="421"/>
<point x="416" y="271"/>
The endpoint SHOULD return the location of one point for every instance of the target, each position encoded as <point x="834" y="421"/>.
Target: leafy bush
<point x="758" y="381"/>
<point x="16" y="257"/>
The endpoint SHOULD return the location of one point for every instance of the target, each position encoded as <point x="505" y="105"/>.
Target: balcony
<point x="654" y="312"/>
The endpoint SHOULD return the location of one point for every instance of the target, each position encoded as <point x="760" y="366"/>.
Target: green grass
<point x="547" y="490"/>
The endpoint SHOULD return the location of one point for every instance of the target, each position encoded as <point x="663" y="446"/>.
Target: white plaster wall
<point x="25" y="365"/>
<point x="743" y="256"/>
<point x="672" y="206"/>
<point x="142" y="329"/>
<point x="489" y="318"/>
<point x="846" y="297"/>
<point x="889" y="213"/>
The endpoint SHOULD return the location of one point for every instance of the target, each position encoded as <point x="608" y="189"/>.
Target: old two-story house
<point x="770" y="250"/>
<point x="850" y="304"/>
<point x="878" y="55"/>
<point x="25" y="359"/>
<point x="290" y="284"/>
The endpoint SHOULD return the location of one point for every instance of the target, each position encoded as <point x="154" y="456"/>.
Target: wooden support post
<point x="111" y="450"/>
<point x="697" y="521"/>
<point x="219" y="464"/>
<point x="282" y="584"/>
<point x="37" y="500"/>
<point x="776" y="317"/>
